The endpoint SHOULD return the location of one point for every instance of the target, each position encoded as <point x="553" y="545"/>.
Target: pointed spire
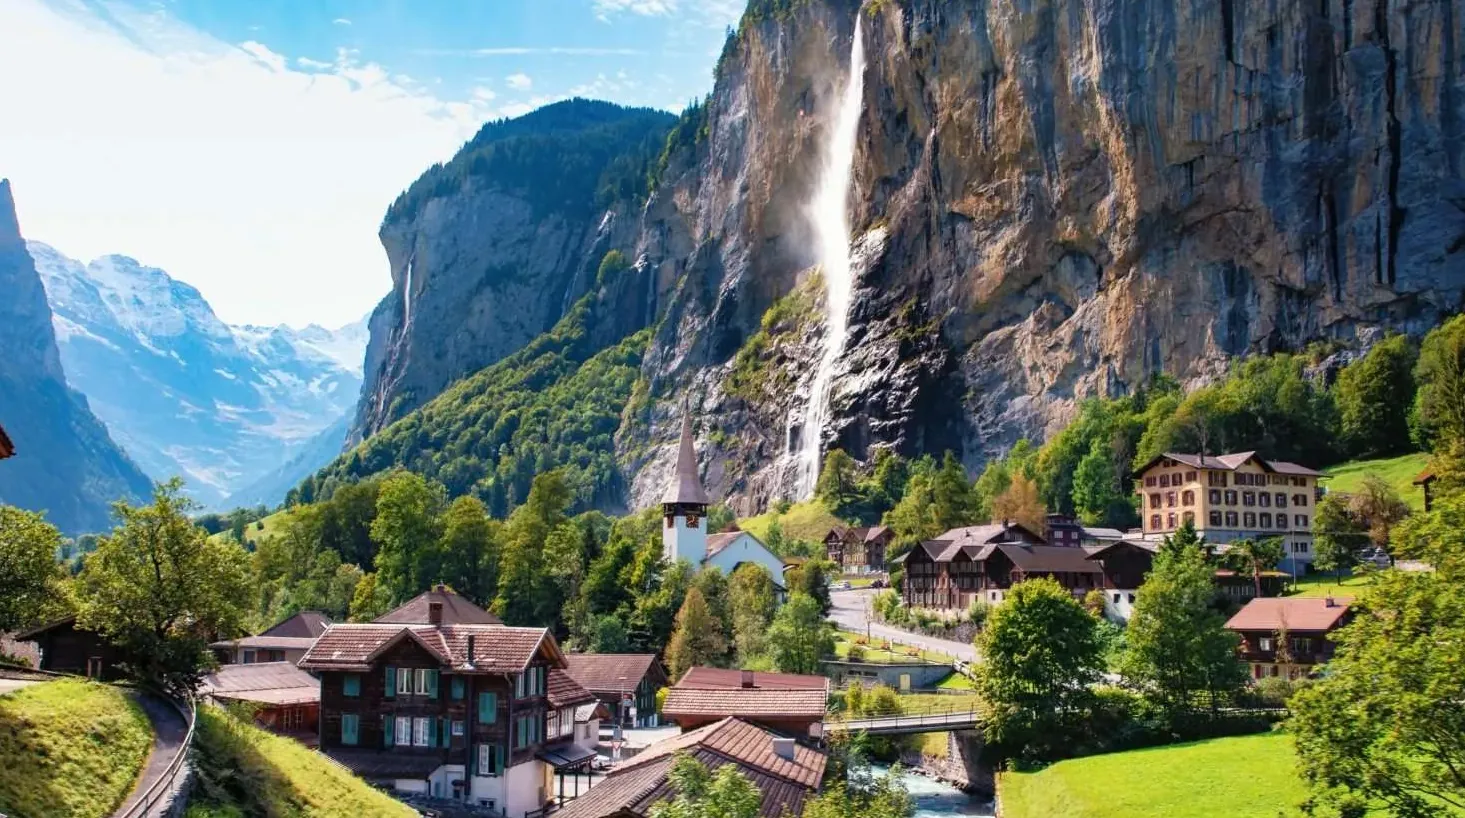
<point x="686" y="487"/>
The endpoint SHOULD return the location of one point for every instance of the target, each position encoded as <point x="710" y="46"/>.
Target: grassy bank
<point x="1398" y="472"/>
<point x="808" y="520"/>
<point x="1242" y="777"/>
<point x="69" y="748"/>
<point x="876" y="652"/>
<point x="1319" y="585"/>
<point x="244" y="770"/>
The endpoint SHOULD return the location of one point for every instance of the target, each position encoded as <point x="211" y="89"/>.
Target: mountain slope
<point x="185" y="393"/>
<point x="65" y="462"/>
<point x="1048" y="202"/>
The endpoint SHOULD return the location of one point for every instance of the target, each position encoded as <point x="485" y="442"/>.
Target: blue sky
<point x="250" y="148"/>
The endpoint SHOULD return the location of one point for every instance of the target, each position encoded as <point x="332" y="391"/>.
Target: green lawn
<point x="1243" y="777"/>
<point x="253" y="533"/>
<point x="1398" y="472"/>
<point x="1326" y="584"/>
<point x="244" y="770"/>
<point x="69" y="748"/>
<point x="844" y="640"/>
<point x="808" y="520"/>
<point x="957" y="681"/>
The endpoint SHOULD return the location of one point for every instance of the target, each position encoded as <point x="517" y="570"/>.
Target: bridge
<point x="908" y="723"/>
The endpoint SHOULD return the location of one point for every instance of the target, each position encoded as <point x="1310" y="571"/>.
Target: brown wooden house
<point x="67" y="649"/>
<point x="1425" y="480"/>
<point x="454" y="711"/>
<point x="787" y="702"/>
<point x="284" y="698"/>
<point x="1288" y="636"/>
<point x="285" y="642"/>
<point x="626" y="683"/>
<point x="859" y="550"/>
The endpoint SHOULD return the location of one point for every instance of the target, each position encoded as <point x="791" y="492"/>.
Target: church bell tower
<point x="684" y="505"/>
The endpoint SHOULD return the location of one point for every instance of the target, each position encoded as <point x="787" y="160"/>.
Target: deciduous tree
<point x="1373" y="419"/>
<point x="470" y="549"/>
<point x="752" y="600"/>
<point x="407" y="528"/>
<point x="700" y="794"/>
<point x="1020" y="504"/>
<point x="28" y="570"/>
<point x="697" y="640"/>
<point x="799" y="636"/>
<point x="526" y="593"/>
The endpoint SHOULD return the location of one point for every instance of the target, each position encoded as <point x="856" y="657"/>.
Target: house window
<point x="1264" y="499"/>
<point x="458" y="687"/>
<point x="1155" y="500"/>
<point x="421" y="732"/>
<point x="1248" y="498"/>
<point x="1299" y="499"/>
<point x="404" y="731"/>
<point x="1131" y="599"/>
<point x="1300" y="520"/>
<point x="404" y="681"/>
<point x="1266" y="518"/>
<point x="1169" y="499"/>
<point x="1231" y="498"/>
<point x="1264" y="643"/>
<point x="1231" y="519"/>
<point x="1215" y="518"/>
<point x="421" y="678"/>
<point x="1190" y="477"/>
<point x="1151" y="481"/>
<point x="1187" y="498"/>
<point x="1298" y="481"/>
<point x="1218" y="478"/>
<point x="249" y="657"/>
<point x="1170" y="520"/>
<point x="292" y="718"/>
<point x="1188" y="517"/>
<point x="458" y="727"/>
<point x="488" y="760"/>
<point x="520" y="686"/>
<point x="350" y="685"/>
<point x="1281" y="500"/>
<point x="1215" y="497"/>
<point x="1299" y="548"/>
<point x="1248" y="519"/>
<point x="1116" y="599"/>
<point x="1164" y="481"/>
<point x="1301" y="644"/>
<point x="1155" y="521"/>
<point x="350" y="729"/>
<point x="553" y="727"/>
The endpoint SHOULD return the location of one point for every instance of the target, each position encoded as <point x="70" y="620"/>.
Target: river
<point x="935" y="799"/>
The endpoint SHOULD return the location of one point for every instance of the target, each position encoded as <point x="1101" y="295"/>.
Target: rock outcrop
<point x="1051" y="201"/>
<point x="65" y="462"/>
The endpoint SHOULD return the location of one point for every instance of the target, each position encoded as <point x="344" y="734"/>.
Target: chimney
<point x="469" y="660"/>
<point x="440" y="588"/>
<point x="748" y="678"/>
<point x="434" y="612"/>
<point x="783" y="748"/>
<point x="1329" y="602"/>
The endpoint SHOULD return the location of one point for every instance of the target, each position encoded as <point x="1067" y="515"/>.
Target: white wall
<point x="490" y="787"/>
<point x="526" y="786"/>
<point x="410" y="785"/>
<point x="682" y="543"/>
<point x="441" y="781"/>
<point x="1122" y="610"/>
<point x="747" y="548"/>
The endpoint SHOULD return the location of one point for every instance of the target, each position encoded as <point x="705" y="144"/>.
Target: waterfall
<point x="829" y="212"/>
<point x="407" y="295"/>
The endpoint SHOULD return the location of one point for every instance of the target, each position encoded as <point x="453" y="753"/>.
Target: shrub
<point x="1274" y="691"/>
<point x="856" y="653"/>
<point x="977" y="613"/>
<point x="661" y="698"/>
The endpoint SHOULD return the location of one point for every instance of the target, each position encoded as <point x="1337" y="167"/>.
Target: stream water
<point x="935" y="798"/>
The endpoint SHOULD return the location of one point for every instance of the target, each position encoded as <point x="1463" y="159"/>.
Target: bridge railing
<point x="168" y="782"/>
<point x="911" y="722"/>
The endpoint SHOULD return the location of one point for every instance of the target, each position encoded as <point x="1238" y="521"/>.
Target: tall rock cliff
<point x="65" y="462"/>
<point x="1050" y="201"/>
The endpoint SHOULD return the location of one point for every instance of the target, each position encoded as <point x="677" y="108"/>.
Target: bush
<point x="977" y="613"/>
<point x="1274" y="691"/>
<point x="856" y="653"/>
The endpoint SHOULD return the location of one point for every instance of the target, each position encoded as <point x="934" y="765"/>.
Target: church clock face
<point x="692" y="520"/>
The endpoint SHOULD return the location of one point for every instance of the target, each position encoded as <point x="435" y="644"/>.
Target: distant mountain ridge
<point x="65" y="462"/>
<point x="185" y="393"/>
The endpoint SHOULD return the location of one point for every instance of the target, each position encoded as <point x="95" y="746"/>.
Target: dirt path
<point x="169" y="730"/>
<point x="12" y="685"/>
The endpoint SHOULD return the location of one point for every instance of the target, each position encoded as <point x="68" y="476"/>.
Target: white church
<point x="684" y="530"/>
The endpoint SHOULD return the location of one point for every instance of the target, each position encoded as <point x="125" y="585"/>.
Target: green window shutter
<point x="432" y="684"/>
<point x="488" y="708"/>
<point x="443" y="738"/>
<point x="498" y="759"/>
<point x="351" y="685"/>
<point x="457" y="687"/>
<point x="391" y="682"/>
<point x="350" y="726"/>
<point x="388" y="725"/>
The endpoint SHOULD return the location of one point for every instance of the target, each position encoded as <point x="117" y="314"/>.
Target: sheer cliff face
<point x="1050" y="201"/>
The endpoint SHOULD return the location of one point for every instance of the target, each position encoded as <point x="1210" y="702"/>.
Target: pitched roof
<point x="1419" y="479"/>
<point x="716" y="678"/>
<point x="1100" y="551"/>
<point x="264" y="682"/>
<point x="7" y="449"/>
<point x="1283" y="467"/>
<point x="636" y="785"/>
<point x="563" y="691"/>
<point x="1229" y="462"/>
<point x="862" y="533"/>
<point x="306" y="624"/>
<point x="457" y="610"/>
<point x="717" y="542"/>
<point x="752" y="703"/>
<point x="610" y="672"/>
<point x="30" y="635"/>
<point x="497" y="648"/>
<point x="1293" y="614"/>
<point x="686" y="486"/>
<point x="990" y="533"/>
<point x="1048" y="559"/>
<point x="267" y="642"/>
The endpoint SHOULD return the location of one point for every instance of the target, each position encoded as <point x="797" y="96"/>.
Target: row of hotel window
<point x="419" y="682"/>
<point x="1231" y="519"/>
<point x="1227" y="498"/>
<point x="437" y="731"/>
<point x="1220" y="479"/>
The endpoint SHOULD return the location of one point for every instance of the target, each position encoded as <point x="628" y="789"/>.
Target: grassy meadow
<point x="1398" y="472"/>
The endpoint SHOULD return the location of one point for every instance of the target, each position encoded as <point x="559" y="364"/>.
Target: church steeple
<point x="684" y="505"/>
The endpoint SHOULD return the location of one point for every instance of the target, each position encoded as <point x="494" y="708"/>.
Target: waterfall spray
<point x="829" y="212"/>
<point x="407" y="295"/>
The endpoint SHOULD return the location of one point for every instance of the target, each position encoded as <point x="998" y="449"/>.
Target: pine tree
<point x="697" y="639"/>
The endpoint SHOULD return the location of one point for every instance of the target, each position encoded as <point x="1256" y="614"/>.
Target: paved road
<point x="12" y="685"/>
<point x="169" y="730"/>
<point x="850" y="614"/>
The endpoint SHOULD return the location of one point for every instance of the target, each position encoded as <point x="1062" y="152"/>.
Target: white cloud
<point x="341" y="21"/>
<point x="515" y="51"/>
<point x="262" y="185"/>
<point x="519" y="82"/>
<point x="648" y="8"/>
<point x="484" y="94"/>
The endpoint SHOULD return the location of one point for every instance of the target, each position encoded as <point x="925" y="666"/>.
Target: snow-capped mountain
<point x="184" y="393"/>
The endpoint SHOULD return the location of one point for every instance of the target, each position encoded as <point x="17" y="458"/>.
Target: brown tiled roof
<point x="268" y="682"/>
<point x="717" y="678"/>
<point x="751" y="703"/>
<point x="610" y="672"/>
<point x="268" y="642"/>
<point x="7" y="449"/>
<point x="1312" y="614"/>
<point x="562" y="690"/>
<point x="1229" y="462"/>
<point x="1424" y="476"/>
<point x="717" y="542"/>
<point x="1049" y="559"/>
<point x="638" y="784"/>
<point x="457" y="610"/>
<point x="867" y="534"/>
<point x="304" y="625"/>
<point x="1283" y="467"/>
<point x="990" y="533"/>
<point x="497" y="648"/>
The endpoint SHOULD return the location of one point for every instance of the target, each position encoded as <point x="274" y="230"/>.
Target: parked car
<point x="842" y="586"/>
<point x="878" y="583"/>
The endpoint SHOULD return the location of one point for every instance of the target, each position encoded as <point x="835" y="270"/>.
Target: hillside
<point x="65" y="462"/>
<point x="1244" y="777"/>
<point x="1013" y="254"/>
<point x="1398" y="472"/>
<point x="185" y="394"/>
<point x="243" y="770"/>
<point x="69" y="748"/>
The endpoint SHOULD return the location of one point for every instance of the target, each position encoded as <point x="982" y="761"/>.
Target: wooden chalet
<point x="626" y="683"/>
<point x="65" y="648"/>
<point x="1425" y="480"/>
<point x="454" y="706"/>
<point x="286" y="642"/>
<point x="1287" y="637"/>
<point x="858" y="550"/>
<point x="284" y="698"/>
